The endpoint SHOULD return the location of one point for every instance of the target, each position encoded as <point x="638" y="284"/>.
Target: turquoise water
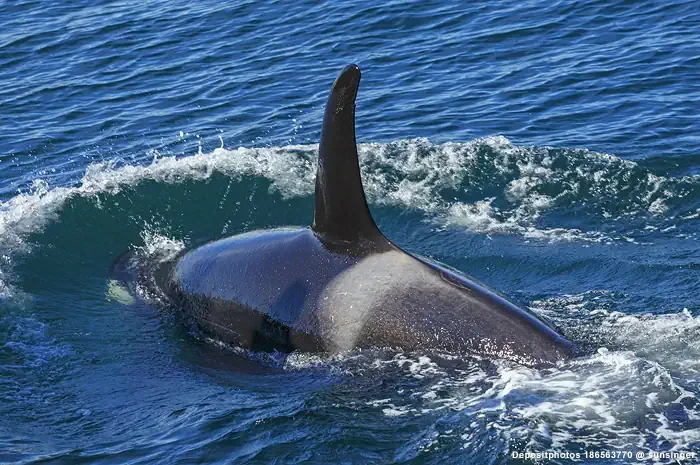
<point x="549" y="149"/>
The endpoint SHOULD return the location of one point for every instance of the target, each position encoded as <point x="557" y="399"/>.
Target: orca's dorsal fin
<point x="341" y="212"/>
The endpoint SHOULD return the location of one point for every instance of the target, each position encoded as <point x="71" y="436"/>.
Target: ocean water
<point x="549" y="149"/>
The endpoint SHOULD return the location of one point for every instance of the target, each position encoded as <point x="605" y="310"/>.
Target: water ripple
<point x="548" y="148"/>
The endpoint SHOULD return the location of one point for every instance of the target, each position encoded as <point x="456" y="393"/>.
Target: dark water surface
<point x="550" y="149"/>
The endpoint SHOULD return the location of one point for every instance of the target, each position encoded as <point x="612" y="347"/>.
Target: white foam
<point x="615" y="398"/>
<point x="482" y="217"/>
<point x="670" y="339"/>
<point x="158" y="247"/>
<point x="597" y="402"/>
<point x="408" y="173"/>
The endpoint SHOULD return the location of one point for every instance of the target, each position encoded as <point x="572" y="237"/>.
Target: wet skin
<point x="340" y="284"/>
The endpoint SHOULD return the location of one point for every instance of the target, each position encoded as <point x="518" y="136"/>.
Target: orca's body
<point x="340" y="284"/>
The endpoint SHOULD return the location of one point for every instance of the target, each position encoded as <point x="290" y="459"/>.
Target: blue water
<point x="550" y="149"/>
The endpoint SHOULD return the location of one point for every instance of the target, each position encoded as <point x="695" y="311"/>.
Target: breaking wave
<point x="636" y="391"/>
<point x="486" y="186"/>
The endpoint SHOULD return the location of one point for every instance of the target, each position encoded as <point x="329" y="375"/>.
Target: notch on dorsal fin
<point x="341" y="211"/>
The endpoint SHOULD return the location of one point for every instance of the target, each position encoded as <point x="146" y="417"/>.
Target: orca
<point x="340" y="284"/>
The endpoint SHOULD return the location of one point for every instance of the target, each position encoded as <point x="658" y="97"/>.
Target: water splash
<point x="486" y="186"/>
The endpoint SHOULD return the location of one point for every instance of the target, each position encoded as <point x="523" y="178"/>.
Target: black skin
<point x="341" y="284"/>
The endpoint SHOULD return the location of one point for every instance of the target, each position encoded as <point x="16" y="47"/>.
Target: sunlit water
<point x="548" y="149"/>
